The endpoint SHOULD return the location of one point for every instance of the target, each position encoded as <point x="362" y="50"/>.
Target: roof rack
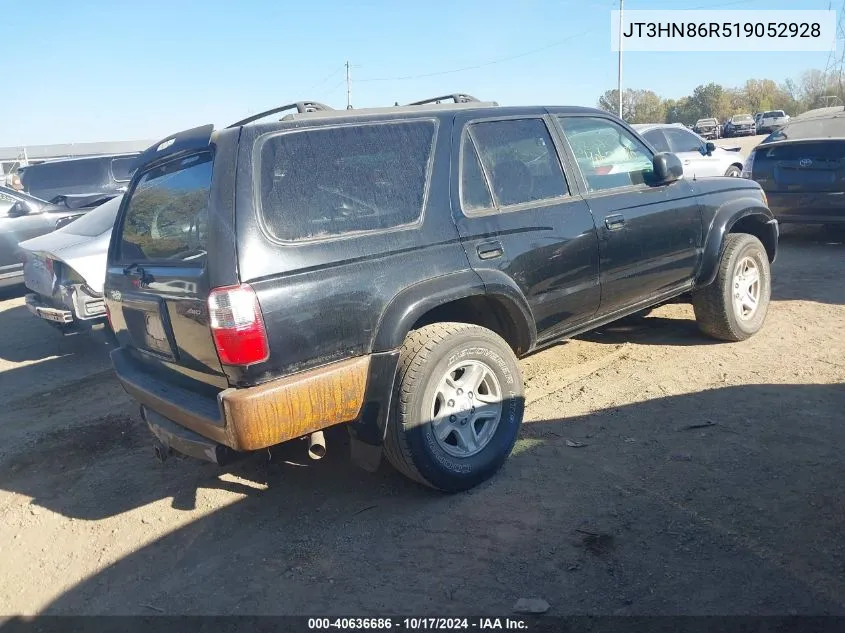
<point x="457" y="97"/>
<point x="300" y="106"/>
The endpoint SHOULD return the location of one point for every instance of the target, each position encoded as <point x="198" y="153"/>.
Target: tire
<point x="717" y="313"/>
<point x="733" y="172"/>
<point x="422" y="400"/>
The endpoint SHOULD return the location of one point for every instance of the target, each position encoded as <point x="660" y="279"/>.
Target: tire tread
<point x="712" y="311"/>
<point x="413" y="356"/>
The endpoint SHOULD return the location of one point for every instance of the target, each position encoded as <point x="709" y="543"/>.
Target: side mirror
<point x="709" y="148"/>
<point x="667" y="168"/>
<point x="19" y="209"/>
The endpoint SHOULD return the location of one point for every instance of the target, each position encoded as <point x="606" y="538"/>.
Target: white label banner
<point x="716" y="30"/>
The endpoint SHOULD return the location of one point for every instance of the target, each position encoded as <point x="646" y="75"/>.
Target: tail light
<point x="749" y="165"/>
<point x="237" y="325"/>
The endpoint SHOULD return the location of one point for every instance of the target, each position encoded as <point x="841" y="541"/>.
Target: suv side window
<point x="682" y="141"/>
<point x="351" y="178"/>
<point x="657" y="140"/>
<point x="520" y="159"/>
<point x="475" y="191"/>
<point x="608" y="155"/>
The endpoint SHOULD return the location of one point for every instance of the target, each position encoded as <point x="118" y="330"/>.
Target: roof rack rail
<point x="457" y="97"/>
<point x="301" y="106"/>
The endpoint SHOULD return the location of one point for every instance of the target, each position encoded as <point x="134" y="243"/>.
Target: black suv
<point x="385" y="268"/>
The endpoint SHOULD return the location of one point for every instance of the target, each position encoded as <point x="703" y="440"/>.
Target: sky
<point x="100" y="70"/>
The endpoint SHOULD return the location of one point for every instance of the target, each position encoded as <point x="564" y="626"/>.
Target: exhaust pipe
<point x="316" y="445"/>
<point x="162" y="452"/>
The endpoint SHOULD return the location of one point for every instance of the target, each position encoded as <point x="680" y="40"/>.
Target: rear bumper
<point x="254" y="417"/>
<point x="40" y="309"/>
<point x="80" y="306"/>
<point x="808" y="207"/>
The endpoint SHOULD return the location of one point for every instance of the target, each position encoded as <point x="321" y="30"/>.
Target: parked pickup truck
<point x="772" y="120"/>
<point x="384" y="269"/>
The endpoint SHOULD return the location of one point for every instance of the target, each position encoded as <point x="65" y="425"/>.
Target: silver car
<point x="700" y="158"/>
<point x="66" y="269"/>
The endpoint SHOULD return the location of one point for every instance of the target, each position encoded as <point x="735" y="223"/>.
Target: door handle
<point x="614" y="222"/>
<point x="490" y="250"/>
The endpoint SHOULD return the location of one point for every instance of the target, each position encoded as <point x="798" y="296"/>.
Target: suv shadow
<point x="660" y="512"/>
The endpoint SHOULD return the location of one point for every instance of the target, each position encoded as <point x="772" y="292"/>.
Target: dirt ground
<point x="706" y="479"/>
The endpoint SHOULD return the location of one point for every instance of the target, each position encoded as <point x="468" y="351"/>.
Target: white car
<point x="772" y="120"/>
<point x="700" y="158"/>
<point x="66" y="270"/>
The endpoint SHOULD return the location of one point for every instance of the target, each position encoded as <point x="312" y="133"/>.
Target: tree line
<point x="813" y="89"/>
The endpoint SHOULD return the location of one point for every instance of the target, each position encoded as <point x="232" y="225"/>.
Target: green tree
<point x="638" y="106"/>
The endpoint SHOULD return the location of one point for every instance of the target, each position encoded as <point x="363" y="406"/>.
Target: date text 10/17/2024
<point x="418" y="624"/>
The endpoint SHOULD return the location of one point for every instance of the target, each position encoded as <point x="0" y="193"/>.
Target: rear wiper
<point x="191" y="253"/>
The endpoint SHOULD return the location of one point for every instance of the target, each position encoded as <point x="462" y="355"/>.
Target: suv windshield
<point x="166" y="217"/>
<point x="705" y="121"/>
<point x="742" y="118"/>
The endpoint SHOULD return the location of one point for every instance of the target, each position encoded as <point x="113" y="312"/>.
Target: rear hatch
<point x="811" y="166"/>
<point x="157" y="281"/>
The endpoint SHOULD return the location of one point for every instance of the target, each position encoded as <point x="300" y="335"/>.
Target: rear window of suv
<point x="333" y="181"/>
<point x="167" y="215"/>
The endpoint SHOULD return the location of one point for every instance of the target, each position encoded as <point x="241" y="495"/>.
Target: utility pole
<point x="619" y="76"/>
<point x="348" y="88"/>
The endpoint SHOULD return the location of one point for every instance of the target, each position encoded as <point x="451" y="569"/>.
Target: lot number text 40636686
<point x="418" y="624"/>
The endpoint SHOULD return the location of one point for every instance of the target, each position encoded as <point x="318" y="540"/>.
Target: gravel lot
<point x="709" y="482"/>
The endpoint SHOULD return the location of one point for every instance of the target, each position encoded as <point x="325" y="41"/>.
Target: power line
<point x="525" y="53"/>
<point x="324" y="80"/>
<point x="476" y="66"/>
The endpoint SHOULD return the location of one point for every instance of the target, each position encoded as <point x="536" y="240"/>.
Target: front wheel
<point x="733" y="172"/>
<point x="457" y="406"/>
<point x="734" y="306"/>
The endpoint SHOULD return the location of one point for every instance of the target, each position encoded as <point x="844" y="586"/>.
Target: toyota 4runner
<point x="385" y="268"/>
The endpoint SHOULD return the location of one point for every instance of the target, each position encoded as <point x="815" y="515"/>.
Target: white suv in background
<point x="700" y="158"/>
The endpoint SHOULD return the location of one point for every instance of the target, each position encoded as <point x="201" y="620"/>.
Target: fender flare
<point x="723" y="221"/>
<point x="413" y="302"/>
<point x="367" y="433"/>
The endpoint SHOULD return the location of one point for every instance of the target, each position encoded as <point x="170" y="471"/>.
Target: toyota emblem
<point x="805" y="162"/>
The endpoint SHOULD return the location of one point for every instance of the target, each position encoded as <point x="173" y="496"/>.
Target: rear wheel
<point x="733" y="172"/>
<point x="734" y="306"/>
<point x="457" y="408"/>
